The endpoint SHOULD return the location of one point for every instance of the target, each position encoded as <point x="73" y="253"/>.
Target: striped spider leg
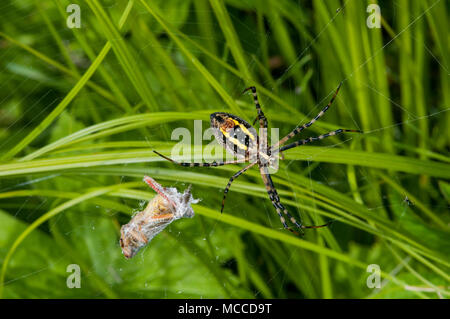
<point x="297" y="130"/>
<point x="213" y="164"/>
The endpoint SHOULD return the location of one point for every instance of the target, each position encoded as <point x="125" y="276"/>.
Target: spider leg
<point x="263" y="144"/>
<point x="301" y="128"/>
<point x="262" y="118"/>
<point x="213" y="164"/>
<point x="273" y="194"/>
<point x="232" y="178"/>
<point x="316" y="138"/>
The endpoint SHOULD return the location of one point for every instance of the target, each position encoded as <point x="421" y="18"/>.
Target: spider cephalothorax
<point x="241" y="139"/>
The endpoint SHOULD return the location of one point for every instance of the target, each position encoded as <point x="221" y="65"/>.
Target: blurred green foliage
<point x="82" y="109"/>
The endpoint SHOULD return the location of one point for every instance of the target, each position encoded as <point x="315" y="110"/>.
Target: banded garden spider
<point x="240" y="138"/>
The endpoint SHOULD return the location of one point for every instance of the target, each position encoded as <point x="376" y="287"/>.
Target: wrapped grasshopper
<point x="167" y="206"/>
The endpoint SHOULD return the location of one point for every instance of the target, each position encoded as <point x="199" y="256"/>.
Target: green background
<point x="82" y="109"/>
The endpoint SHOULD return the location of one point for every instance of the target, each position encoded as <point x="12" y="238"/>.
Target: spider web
<point x="212" y="227"/>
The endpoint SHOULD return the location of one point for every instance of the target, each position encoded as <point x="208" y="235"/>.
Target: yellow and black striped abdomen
<point x="236" y="135"/>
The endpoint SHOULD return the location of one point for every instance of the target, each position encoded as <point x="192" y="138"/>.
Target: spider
<point x="240" y="138"/>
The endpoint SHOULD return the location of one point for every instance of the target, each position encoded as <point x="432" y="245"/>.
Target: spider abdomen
<point x="236" y="135"/>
